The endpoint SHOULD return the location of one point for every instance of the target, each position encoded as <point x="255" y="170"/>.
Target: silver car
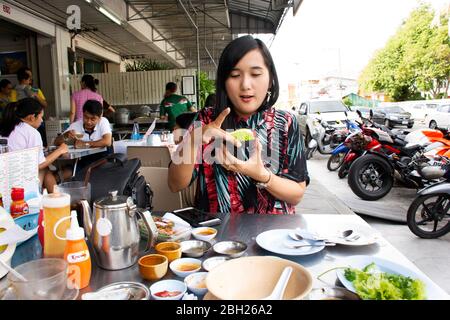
<point x="311" y="113"/>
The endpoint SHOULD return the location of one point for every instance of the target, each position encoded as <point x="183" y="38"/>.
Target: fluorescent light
<point x="109" y="15"/>
<point x="88" y="1"/>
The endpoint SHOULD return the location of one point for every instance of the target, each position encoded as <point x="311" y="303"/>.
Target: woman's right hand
<point x="213" y="130"/>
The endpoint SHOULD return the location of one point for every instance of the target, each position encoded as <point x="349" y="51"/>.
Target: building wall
<point x="49" y="54"/>
<point x="133" y="88"/>
<point x="61" y="74"/>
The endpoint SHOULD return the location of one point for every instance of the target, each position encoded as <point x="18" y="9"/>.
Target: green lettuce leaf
<point x="372" y="284"/>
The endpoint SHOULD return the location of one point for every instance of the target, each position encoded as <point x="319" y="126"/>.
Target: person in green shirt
<point x="173" y="105"/>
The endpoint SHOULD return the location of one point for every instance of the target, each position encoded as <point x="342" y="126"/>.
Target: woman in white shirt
<point x="20" y="123"/>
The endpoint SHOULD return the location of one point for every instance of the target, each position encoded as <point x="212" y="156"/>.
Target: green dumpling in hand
<point x="243" y="135"/>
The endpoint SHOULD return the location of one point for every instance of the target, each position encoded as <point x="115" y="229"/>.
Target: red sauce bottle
<point x="18" y="205"/>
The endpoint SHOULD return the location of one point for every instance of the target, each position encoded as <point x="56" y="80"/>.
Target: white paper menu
<point x="150" y="129"/>
<point x="18" y="169"/>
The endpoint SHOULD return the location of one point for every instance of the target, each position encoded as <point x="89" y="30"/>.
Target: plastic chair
<point x="163" y="198"/>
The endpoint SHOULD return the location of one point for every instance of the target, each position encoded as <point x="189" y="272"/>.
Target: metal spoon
<point x="296" y="246"/>
<point x="14" y="272"/>
<point x="348" y="235"/>
<point x="295" y="236"/>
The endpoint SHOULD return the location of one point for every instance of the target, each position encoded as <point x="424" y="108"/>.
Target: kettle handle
<point x="151" y="227"/>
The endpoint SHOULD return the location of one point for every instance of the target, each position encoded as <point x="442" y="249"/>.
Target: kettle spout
<point x="87" y="217"/>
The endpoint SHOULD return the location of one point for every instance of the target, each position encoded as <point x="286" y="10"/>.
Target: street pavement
<point x="393" y="206"/>
<point x="327" y="193"/>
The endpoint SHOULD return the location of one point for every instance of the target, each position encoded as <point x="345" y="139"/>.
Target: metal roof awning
<point x="178" y="22"/>
<point x="168" y="30"/>
<point x="217" y="21"/>
<point x="257" y="16"/>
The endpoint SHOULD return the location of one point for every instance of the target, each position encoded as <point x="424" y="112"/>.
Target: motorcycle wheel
<point x="370" y="177"/>
<point x="428" y="216"/>
<point x="335" y="161"/>
<point x="309" y="153"/>
<point x="343" y="170"/>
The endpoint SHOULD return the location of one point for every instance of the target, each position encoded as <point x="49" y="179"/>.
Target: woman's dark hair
<point x="4" y="83"/>
<point x="22" y="74"/>
<point x="90" y="82"/>
<point x="231" y="55"/>
<point x="211" y="100"/>
<point x="185" y="120"/>
<point x="93" y="107"/>
<point x="16" y="111"/>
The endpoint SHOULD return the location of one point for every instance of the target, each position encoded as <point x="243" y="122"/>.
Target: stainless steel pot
<point x="122" y="116"/>
<point x="144" y="111"/>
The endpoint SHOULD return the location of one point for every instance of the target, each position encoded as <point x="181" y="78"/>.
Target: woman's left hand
<point x="253" y="167"/>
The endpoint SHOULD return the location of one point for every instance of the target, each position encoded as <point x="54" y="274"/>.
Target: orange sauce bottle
<point x="77" y="255"/>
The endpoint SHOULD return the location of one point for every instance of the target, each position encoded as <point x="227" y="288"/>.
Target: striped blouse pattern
<point x="219" y="190"/>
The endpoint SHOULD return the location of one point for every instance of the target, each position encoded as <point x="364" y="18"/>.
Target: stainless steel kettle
<point x="113" y="230"/>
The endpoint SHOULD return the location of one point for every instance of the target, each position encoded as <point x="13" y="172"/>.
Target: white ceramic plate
<point x="433" y="292"/>
<point x="273" y="241"/>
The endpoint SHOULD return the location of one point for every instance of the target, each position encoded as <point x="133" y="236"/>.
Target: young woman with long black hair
<point x="272" y="181"/>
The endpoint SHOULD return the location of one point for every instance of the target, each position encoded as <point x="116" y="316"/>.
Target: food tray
<point x="168" y="229"/>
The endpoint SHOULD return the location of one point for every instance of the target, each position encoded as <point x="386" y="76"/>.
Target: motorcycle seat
<point x="411" y="149"/>
<point x="400" y="142"/>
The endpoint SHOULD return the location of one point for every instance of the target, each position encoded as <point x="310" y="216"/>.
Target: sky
<point x="336" y="37"/>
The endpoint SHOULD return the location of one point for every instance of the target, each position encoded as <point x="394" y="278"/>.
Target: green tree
<point x="415" y="63"/>
<point x="347" y="101"/>
<point x="207" y="86"/>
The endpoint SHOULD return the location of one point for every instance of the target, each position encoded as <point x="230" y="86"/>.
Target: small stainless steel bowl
<point x="194" y="248"/>
<point x="213" y="262"/>
<point x="232" y="249"/>
<point x="138" y="291"/>
<point x="332" y="293"/>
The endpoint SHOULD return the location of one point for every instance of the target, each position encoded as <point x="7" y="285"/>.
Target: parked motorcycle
<point x="371" y="176"/>
<point x="371" y="136"/>
<point x="340" y="149"/>
<point x="428" y="215"/>
<point x="320" y="139"/>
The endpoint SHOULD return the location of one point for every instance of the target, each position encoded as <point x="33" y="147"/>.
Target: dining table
<point x="124" y="131"/>
<point x="74" y="155"/>
<point x="248" y="228"/>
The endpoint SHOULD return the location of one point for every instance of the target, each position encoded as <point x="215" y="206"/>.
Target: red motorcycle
<point x="369" y="138"/>
<point x="371" y="176"/>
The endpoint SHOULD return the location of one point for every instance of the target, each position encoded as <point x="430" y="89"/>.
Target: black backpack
<point x="116" y="172"/>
